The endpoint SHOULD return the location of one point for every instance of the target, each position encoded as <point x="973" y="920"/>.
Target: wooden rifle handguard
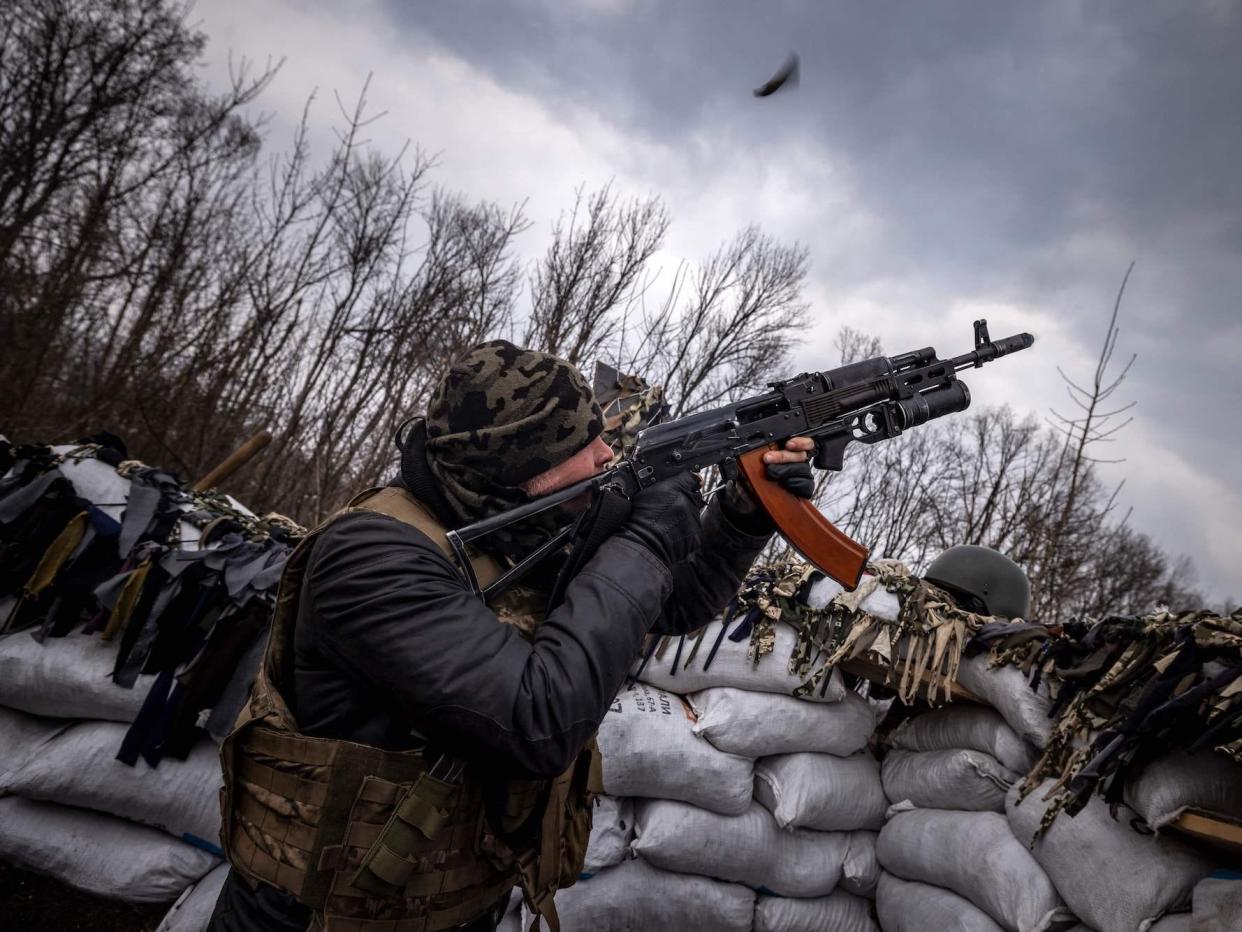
<point x="803" y="525"/>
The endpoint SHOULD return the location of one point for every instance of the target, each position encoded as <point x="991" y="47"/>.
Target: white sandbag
<point x="649" y="748"/>
<point x="635" y="897"/>
<point x="612" y="827"/>
<point x="975" y="855"/>
<point x="69" y="677"/>
<point x="512" y="919"/>
<point x="748" y="848"/>
<point x="762" y="724"/>
<point x="79" y="768"/>
<point x="1167" y="787"/>
<point x="909" y="906"/>
<point x="839" y="911"/>
<point x="965" y="726"/>
<point x="860" y="872"/>
<point x="732" y="667"/>
<point x="193" y="908"/>
<point x="1114" y="878"/>
<point x="880" y="603"/>
<point x="1005" y="688"/>
<point x="99" y="483"/>
<point x="819" y="791"/>
<point x="22" y="736"/>
<point x="961" y="779"/>
<point x="99" y="853"/>
<point x="1217" y="903"/>
<point x="1176" y="922"/>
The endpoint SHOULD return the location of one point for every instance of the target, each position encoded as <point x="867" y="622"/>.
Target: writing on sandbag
<point x="639" y="697"/>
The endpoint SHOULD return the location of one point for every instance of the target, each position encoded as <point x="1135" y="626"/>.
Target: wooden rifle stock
<point x="803" y="525"/>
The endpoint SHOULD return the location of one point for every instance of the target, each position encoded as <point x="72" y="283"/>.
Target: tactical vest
<point x="388" y="841"/>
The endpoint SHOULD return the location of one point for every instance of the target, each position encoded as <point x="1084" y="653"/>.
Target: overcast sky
<point x="940" y="161"/>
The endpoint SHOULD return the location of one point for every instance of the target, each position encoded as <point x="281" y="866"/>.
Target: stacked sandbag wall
<point x="964" y="849"/>
<point x="731" y="804"/>
<point x="110" y="688"/>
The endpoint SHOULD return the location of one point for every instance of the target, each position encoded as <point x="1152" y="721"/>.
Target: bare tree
<point x="734" y="331"/>
<point x="994" y="479"/>
<point x="153" y="280"/>
<point x="586" y="281"/>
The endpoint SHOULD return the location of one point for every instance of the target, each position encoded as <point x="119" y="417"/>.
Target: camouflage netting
<point x="1124" y="691"/>
<point x="1127" y="690"/>
<point x="924" y="640"/>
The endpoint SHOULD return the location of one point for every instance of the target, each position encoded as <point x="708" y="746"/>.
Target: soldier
<point x="409" y="753"/>
<point x="982" y="580"/>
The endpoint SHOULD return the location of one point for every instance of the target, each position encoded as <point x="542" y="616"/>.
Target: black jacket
<point x="393" y="650"/>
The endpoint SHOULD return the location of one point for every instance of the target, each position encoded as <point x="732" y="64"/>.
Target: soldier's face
<point x="587" y="462"/>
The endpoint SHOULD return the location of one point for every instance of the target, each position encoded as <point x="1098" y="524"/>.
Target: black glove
<point x="746" y="514"/>
<point x="795" y="478"/>
<point x="664" y="518"/>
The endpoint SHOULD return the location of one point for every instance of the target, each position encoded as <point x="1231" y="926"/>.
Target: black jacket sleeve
<point x="395" y="614"/>
<point x="705" y="583"/>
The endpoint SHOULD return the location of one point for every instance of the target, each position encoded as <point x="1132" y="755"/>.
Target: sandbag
<point x="860" y="872"/>
<point x="79" y="768"/>
<point x="99" y="483"/>
<point x="880" y="603"/>
<point x="1217" y="903"/>
<point x="839" y="911"/>
<point x="612" y="827"/>
<point x="636" y="897"/>
<point x="96" y="481"/>
<point x="1175" y="922"/>
<point x="961" y="779"/>
<point x="1167" y="787"/>
<point x="649" y="749"/>
<point x="909" y="906"/>
<point x="22" y="736"/>
<point x="99" y="853"/>
<point x="755" y="724"/>
<point x="1110" y="875"/>
<point x="732" y="667"/>
<point x="67" y="677"/>
<point x="1005" y="688"/>
<point x="512" y="919"/>
<point x="966" y="726"/>
<point x="748" y="848"/>
<point x="819" y="791"/>
<point x="975" y="855"/>
<point x="193" y="908"/>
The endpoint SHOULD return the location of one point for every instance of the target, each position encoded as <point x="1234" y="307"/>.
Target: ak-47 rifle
<point x="868" y="401"/>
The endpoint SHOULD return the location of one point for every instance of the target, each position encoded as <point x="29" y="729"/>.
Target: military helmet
<point x="980" y="577"/>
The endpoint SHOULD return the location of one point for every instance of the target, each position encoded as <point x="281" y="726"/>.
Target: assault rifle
<point x="864" y="402"/>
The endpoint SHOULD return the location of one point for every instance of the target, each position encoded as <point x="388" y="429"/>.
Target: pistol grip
<point x="803" y="525"/>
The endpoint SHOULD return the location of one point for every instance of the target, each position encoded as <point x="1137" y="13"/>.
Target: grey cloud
<point x="992" y="140"/>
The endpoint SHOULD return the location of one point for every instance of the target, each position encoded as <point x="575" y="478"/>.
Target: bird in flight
<point x="787" y="74"/>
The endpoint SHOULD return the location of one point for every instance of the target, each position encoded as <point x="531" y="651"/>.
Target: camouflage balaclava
<point x="501" y="416"/>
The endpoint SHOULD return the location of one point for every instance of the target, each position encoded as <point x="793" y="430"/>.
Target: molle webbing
<point x="308" y="813"/>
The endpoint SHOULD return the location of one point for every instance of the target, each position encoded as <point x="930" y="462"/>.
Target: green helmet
<point x="984" y="576"/>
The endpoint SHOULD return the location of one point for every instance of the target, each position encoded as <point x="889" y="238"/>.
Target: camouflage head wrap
<point x="501" y="416"/>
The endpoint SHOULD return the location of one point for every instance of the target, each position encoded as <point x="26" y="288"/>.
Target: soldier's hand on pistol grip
<point x="789" y="468"/>
<point x="665" y="518"/>
<point x="795" y="478"/>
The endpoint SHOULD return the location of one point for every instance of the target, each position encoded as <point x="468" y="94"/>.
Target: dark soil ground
<point x="33" y="903"/>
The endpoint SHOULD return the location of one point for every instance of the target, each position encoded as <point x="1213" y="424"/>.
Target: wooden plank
<point x="1206" y="828"/>
<point x="869" y="669"/>
<point x="236" y="460"/>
